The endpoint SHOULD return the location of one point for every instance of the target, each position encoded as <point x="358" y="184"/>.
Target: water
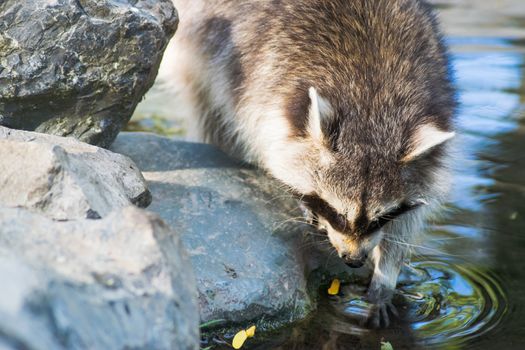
<point x="466" y="287"/>
<point x="441" y="305"/>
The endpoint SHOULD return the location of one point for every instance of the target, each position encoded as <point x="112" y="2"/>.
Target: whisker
<point x="420" y="247"/>
<point x="329" y="257"/>
<point x="272" y="199"/>
<point x="294" y="219"/>
<point x="320" y="244"/>
<point x="447" y="239"/>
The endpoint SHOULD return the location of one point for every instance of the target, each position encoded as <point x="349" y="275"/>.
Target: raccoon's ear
<point x="318" y="109"/>
<point x="426" y="138"/>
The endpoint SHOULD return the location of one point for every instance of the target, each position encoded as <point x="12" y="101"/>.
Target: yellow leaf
<point x="334" y="287"/>
<point x="239" y="339"/>
<point x="250" y="332"/>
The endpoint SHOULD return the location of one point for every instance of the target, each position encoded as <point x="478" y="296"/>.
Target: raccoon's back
<point x="381" y="64"/>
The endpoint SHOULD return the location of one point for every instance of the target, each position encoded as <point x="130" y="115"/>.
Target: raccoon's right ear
<point x="319" y="108"/>
<point x="426" y="137"/>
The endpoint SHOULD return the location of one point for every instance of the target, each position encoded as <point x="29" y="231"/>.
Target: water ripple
<point x="442" y="304"/>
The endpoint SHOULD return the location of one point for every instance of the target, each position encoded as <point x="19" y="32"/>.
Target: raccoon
<point x="349" y="103"/>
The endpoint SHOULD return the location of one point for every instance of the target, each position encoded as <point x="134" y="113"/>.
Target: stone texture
<point x="66" y="179"/>
<point x="79" y="67"/>
<point x="236" y="225"/>
<point x="123" y="282"/>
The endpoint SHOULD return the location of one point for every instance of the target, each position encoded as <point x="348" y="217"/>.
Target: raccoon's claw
<point x="381" y="311"/>
<point x="381" y="315"/>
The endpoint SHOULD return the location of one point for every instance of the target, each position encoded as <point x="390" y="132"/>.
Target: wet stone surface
<point x="235" y="224"/>
<point x="79" y="68"/>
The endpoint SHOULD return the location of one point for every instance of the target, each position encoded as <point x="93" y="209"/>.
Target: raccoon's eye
<point x="392" y="215"/>
<point x="377" y="224"/>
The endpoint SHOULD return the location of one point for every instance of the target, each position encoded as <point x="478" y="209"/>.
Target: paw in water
<point x="381" y="315"/>
<point x="381" y="311"/>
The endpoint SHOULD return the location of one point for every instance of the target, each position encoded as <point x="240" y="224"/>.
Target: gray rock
<point x="64" y="178"/>
<point x="236" y="225"/>
<point x="123" y="282"/>
<point x="79" y="68"/>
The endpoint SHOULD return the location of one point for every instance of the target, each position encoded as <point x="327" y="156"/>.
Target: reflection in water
<point x="452" y="304"/>
<point x="441" y="305"/>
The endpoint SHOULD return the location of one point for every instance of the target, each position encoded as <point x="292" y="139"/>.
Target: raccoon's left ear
<point x="426" y="138"/>
<point x="318" y="109"/>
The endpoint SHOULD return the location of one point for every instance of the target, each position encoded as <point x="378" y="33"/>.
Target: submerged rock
<point x="66" y="179"/>
<point x="236" y="225"/>
<point x="123" y="282"/>
<point x="79" y="68"/>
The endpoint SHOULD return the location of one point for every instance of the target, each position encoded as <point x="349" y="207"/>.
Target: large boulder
<point x="79" y="68"/>
<point x="123" y="282"/>
<point x="237" y="225"/>
<point x="64" y="178"/>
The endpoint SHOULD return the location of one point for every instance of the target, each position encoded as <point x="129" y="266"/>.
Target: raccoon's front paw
<point x="381" y="311"/>
<point x="381" y="315"/>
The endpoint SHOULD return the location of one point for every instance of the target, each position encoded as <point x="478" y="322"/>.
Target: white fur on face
<point x="286" y="163"/>
<point x="293" y="161"/>
<point x="351" y="246"/>
<point x="427" y="137"/>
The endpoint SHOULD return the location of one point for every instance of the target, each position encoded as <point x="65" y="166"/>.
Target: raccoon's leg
<point x="388" y="258"/>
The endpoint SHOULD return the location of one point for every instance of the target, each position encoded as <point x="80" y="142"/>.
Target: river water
<point x="465" y="288"/>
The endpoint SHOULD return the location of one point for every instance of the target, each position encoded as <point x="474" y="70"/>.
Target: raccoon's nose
<point x="354" y="263"/>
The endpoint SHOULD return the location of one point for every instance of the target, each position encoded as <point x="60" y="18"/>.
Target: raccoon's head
<point x="357" y="182"/>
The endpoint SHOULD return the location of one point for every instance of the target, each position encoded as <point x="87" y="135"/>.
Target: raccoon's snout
<point x="353" y="250"/>
<point x="353" y="262"/>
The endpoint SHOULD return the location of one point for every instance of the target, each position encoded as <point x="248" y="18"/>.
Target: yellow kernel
<point x="239" y="339"/>
<point x="250" y="332"/>
<point x="334" y="287"/>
